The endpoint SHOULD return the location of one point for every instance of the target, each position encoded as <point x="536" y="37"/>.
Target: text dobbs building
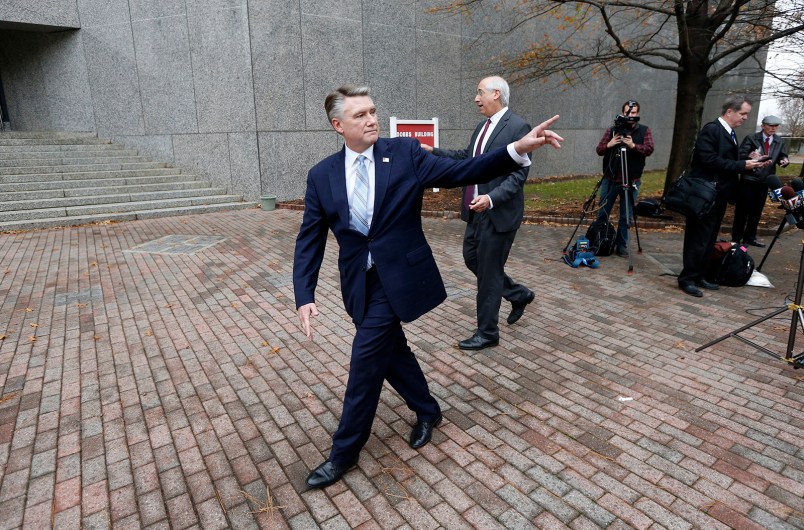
<point x="234" y="90"/>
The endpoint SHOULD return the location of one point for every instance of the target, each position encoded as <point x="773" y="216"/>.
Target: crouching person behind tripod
<point x="638" y="143"/>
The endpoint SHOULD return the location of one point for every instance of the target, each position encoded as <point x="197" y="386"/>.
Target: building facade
<point x="234" y="89"/>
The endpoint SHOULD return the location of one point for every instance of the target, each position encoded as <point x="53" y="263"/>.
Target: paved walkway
<point x="162" y="383"/>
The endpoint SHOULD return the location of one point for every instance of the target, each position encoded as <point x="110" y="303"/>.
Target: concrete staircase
<point x="50" y="179"/>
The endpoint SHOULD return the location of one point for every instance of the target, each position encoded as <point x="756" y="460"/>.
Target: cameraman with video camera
<point x="638" y="141"/>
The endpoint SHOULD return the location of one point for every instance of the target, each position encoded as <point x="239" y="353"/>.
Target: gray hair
<point x="335" y="101"/>
<point x="734" y="103"/>
<point x="498" y="83"/>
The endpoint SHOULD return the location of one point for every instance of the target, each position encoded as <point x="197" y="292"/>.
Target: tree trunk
<point x="691" y="89"/>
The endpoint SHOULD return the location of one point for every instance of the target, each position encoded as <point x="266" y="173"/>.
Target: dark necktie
<point x="733" y="137"/>
<point x="767" y="145"/>
<point x="469" y="191"/>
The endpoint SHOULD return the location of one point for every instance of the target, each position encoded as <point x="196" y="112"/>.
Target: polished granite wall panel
<point x="391" y="72"/>
<point x="244" y="160"/>
<point x="157" y="146"/>
<point x="24" y="81"/>
<point x="392" y="13"/>
<point x="221" y="56"/>
<point x="333" y="56"/>
<point x="286" y="158"/>
<point x="145" y="9"/>
<point x="45" y="81"/>
<point x="113" y="80"/>
<point x="206" y="155"/>
<point x="60" y="13"/>
<point x="66" y="81"/>
<point x="350" y="9"/>
<point x="165" y="73"/>
<point x="438" y="77"/>
<point x="103" y="13"/>
<point x="277" y="66"/>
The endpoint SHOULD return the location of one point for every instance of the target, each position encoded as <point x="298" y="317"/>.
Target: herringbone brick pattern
<point x="174" y="390"/>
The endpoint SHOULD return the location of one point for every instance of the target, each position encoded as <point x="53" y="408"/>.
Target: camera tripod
<point x="626" y="202"/>
<point x="787" y="219"/>
<point x="796" y="320"/>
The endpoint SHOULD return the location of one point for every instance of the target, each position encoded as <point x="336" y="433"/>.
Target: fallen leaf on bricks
<point x="34" y="325"/>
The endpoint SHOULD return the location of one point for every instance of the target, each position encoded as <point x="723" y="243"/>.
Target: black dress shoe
<point x="703" y="284"/>
<point x="517" y="309"/>
<point x="477" y="343"/>
<point x="327" y="474"/>
<point x="755" y="243"/>
<point x="690" y="289"/>
<point x="423" y="431"/>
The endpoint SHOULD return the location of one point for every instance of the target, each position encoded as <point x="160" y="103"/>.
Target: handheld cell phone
<point x="763" y="158"/>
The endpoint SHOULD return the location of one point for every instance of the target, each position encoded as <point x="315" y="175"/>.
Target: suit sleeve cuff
<point x="522" y="160"/>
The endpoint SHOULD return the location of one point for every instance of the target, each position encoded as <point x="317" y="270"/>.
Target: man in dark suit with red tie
<point x="493" y="212"/>
<point x="370" y="196"/>
<point x="715" y="158"/>
<point x="752" y="192"/>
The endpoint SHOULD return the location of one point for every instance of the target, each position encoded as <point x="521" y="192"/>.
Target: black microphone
<point x="798" y="185"/>
<point x="790" y="199"/>
<point x="775" y="186"/>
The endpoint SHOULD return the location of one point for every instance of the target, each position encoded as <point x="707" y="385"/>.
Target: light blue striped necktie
<point x="360" y="195"/>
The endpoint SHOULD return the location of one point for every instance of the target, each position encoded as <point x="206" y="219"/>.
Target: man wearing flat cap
<point x="753" y="189"/>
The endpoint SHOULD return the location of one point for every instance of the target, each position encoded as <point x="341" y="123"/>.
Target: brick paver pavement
<point x="174" y="390"/>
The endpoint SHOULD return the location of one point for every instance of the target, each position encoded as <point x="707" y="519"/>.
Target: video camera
<point x="624" y="125"/>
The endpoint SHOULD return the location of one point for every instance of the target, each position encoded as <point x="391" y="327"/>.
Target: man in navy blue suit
<point x="370" y="196"/>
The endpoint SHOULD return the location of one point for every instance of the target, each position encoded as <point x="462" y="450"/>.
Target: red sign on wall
<point x="425" y="131"/>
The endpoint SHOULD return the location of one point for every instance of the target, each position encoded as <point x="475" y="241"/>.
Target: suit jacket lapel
<point x="337" y="182"/>
<point x="497" y="129"/>
<point x="382" y="177"/>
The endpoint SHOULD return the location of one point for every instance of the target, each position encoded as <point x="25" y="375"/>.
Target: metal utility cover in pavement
<point x="177" y="244"/>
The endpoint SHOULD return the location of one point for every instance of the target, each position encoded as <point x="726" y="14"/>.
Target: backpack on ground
<point x="580" y="254"/>
<point x="730" y="264"/>
<point x="602" y="238"/>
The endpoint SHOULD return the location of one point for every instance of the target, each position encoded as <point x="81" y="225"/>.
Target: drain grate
<point x="177" y="244"/>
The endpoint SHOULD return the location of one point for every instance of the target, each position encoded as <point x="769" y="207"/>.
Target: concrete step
<point x="53" y="222"/>
<point x="64" y="147"/>
<point x="97" y="199"/>
<point x="48" y="155"/>
<point x="78" y="168"/>
<point x="46" y="162"/>
<point x="122" y="189"/>
<point x="53" y="141"/>
<point x="47" y="134"/>
<point x="118" y="207"/>
<point x="97" y="183"/>
<point x="89" y="175"/>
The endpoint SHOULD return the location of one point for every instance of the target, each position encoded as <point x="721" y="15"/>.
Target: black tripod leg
<point x="636" y="226"/>
<point x="773" y="242"/>
<point x="586" y="206"/>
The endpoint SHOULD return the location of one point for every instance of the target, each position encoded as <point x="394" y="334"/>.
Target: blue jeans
<point x="609" y="191"/>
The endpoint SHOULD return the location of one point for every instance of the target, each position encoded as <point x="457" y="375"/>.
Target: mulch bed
<point x="446" y="204"/>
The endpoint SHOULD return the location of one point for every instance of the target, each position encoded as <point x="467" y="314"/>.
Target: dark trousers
<point x="485" y="252"/>
<point x="380" y="352"/>
<point x="751" y="198"/>
<point x="700" y="236"/>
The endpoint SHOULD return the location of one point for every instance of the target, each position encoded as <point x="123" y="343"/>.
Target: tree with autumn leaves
<point x="701" y="41"/>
